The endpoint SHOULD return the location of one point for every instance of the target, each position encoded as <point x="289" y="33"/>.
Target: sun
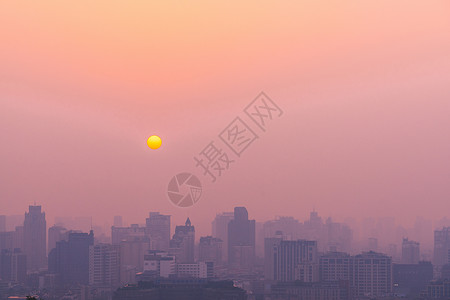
<point x="154" y="142"/>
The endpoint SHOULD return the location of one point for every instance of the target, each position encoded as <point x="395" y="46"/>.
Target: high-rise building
<point x="2" y="223"/>
<point x="104" y="265"/>
<point x="56" y="233"/>
<point x="441" y="246"/>
<point x="70" y="259"/>
<point x="372" y="274"/>
<point x="7" y="240"/>
<point x="158" y="229"/>
<point x="241" y="240"/>
<point x="335" y="266"/>
<point x="210" y="250"/>
<point x="183" y="242"/>
<point x="132" y="252"/>
<point x="118" y="222"/>
<point x="270" y="247"/>
<point x="220" y="230"/>
<point x="119" y="234"/>
<point x="410" y="252"/>
<point x="13" y="266"/>
<point x="292" y="260"/>
<point x="412" y="279"/>
<point x="35" y="238"/>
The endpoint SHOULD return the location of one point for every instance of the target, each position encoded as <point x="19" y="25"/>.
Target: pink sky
<point x="365" y="87"/>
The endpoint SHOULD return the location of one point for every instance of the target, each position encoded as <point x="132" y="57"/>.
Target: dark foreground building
<point x="181" y="289"/>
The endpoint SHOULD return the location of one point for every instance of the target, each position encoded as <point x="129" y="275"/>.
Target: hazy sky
<point x="364" y="86"/>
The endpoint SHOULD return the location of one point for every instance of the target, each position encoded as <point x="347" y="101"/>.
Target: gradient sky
<point x="365" y="87"/>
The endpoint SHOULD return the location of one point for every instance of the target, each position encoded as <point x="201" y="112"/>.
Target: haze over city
<point x="359" y="134"/>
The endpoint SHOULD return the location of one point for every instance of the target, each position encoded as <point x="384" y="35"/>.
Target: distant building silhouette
<point x="13" y="266"/>
<point x="56" y="233"/>
<point x="119" y="234"/>
<point x="410" y="252"/>
<point x="70" y="259"/>
<point x="220" y="230"/>
<point x="210" y="250"/>
<point x="412" y="279"/>
<point x="2" y="223"/>
<point x="241" y="240"/>
<point x="132" y="251"/>
<point x="118" y="221"/>
<point x="183" y="242"/>
<point x="292" y="260"/>
<point x="441" y="246"/>
<point x="158" y="229"/>
<point x="35" y="238"/>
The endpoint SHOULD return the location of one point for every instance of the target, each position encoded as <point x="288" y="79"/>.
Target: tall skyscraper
<point x="220" y="230"/>
<point x="70" y="259"/>
<point x="183" y="242"/>
<point x="2" y="223"/>
<point x="441" y="246"/>
<point x="118" y="222"/>
<point x="119" y="234"/>
<point x="104" y="264"/>
<point x="158" y="229"/>
<point x="56" y="233"/>
<point x="292" y="260"/>
<point x="241" y="240"/>
<point x="210" y="250"/>
<point x="410" y="252"/>
<point x="132" y="252"/>
<point x="372" y="274"/>
<point x="35" y="238"/>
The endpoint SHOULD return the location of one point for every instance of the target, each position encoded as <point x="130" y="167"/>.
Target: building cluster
<point x="277" y="260"/>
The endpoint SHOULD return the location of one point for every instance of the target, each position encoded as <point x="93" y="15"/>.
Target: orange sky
<point x="364" y="86"/>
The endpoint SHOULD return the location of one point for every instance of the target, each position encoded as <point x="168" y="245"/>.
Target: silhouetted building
<point x="183" y="242"/>
<point x="13" y="266"/>
<point x="132" y="253"/>
<point x="292" y="260"/>
<point x="119" y="234"/>
<point x="35" y="238"/>
<point x="241" y="240"/>
<point x="220" y="230"/>
<point x="70" y="259"/>
<point x="410" y="252"/>
<point x="158" y="229"/>
<point x="210" y="250"/>
<point x="270" y="244"/>
<point x="441" y="246"/>
<point x="372" y="274"/>
<point x="104" y="265"/>
<point x="412" y="279"/>
<point x="56" y="233"/>
<point x="335" y="266"/>
<point x="2" y="223"/>
<point x="118" y="222"/>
